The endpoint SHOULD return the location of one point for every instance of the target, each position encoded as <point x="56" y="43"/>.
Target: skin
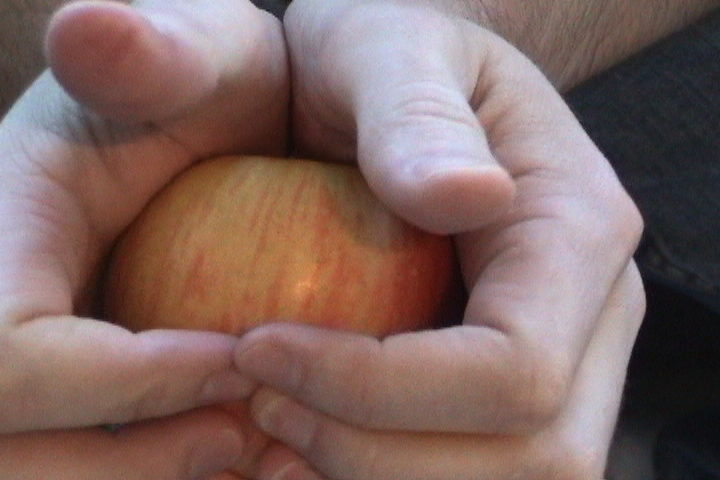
<point x="528" y="386"/>
<point x="71" y="182"/>
<point x="573" y="39"/>
<point x="525" y="361"/>
<point x="22" y="27"/>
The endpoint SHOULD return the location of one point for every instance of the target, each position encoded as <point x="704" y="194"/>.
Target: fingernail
<point x="224" y="387"/>
<point x="284" y="419"/>
<point x="216" y="455"/>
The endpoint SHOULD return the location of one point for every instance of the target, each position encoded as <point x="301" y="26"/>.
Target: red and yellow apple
<point x="235" y="242"/>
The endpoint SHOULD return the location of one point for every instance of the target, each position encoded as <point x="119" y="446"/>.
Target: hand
<point x="461" y="134"/>
<point x="167" y="83"/>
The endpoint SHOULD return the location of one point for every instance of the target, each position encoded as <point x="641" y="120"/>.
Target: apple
<point x="235" y="242"/>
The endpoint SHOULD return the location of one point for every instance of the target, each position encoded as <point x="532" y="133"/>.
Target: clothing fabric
<point x="656" y="117"/>
<point x="689" y="449"/>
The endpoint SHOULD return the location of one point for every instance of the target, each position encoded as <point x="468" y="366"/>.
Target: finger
<point x="569" y="208"/>
<point x="263" y="458"/>
<point x="72" y="182"/>
<point x="419" y="143"/>
<point x="466" y="379"/>
<point x="65" y="372"/>
<point x="448" y="380"/>
<point x="590" y="414"/>
<point x="541" y="275"/>
<point x="537" y="287"/>
<point x="575" y="445"/>
<point x="159" y="59"/>
<point x="90" y="177"/>
<point x="200" y="444"/>
<point x="281" y="463"/>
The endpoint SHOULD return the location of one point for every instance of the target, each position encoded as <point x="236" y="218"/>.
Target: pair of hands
<point x="453" y="128"/>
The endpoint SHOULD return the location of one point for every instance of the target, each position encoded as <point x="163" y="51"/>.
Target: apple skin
<point x="235" y="242"/>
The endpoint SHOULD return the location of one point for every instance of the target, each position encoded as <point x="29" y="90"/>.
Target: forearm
<point x="573" y="39"/>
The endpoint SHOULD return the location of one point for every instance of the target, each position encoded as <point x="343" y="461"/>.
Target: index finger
<point x="66" y="372"/>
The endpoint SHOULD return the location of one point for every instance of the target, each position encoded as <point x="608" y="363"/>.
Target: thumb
<point x="419" y="143"/>
<point x="157" y="60"/>
<point x="424" y="153"/>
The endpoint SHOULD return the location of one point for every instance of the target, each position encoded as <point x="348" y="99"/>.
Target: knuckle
<point x="369" y="463"/>
<point x="597" y="212"/>
<point x="23" y="394"/>
<point x="615" y="216"/>
<point x="354" y="373"/>
<point x="628" y="223"/>
<point x="326" y="446"/>
<point x="360" y="407"/>
<point x="544" y="389"/>
<point x="531" y="393"/>
<point x="425" y="102"/>
<point x="530" y="387"/>
<point x="317" y="442"/>
<point x="139" y="400"/>
<point x="359" y="410"/>
<point x="145" y="404"/>
<point x="635" y="293"/>
<point x="346" y="453"/>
